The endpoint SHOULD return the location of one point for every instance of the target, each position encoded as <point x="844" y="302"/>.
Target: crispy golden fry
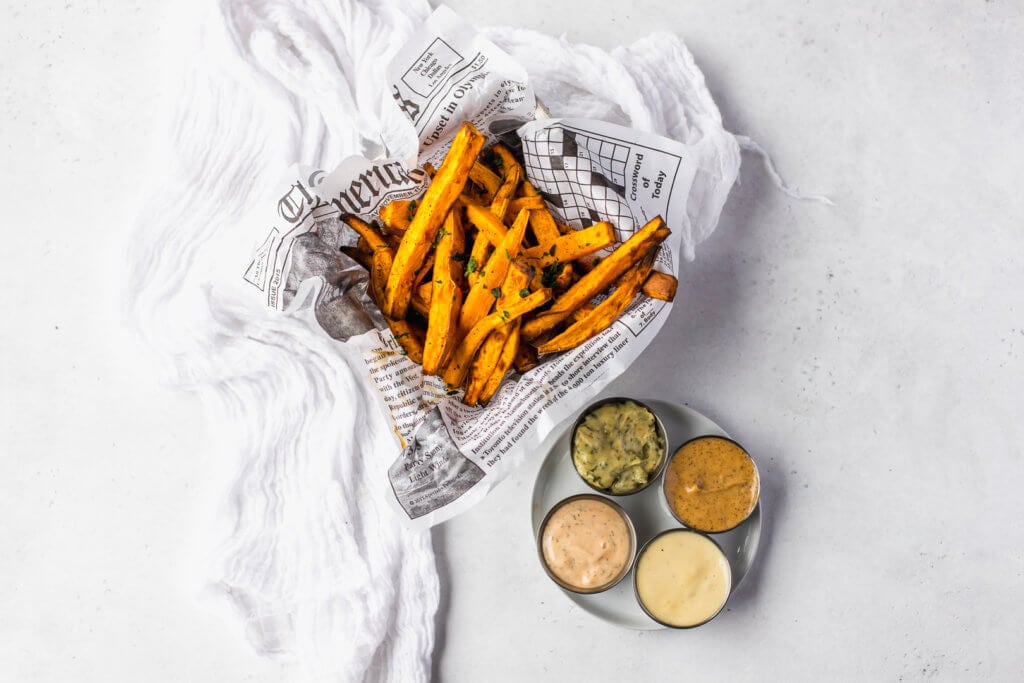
<point x="563" y="228"/>
<point x="506" y="160"/>
<point x="541" y="221"/>
<point x="428" y="168"/>
<point x="503" y="197"/>
<point x="408" y="338"/>
<point x="582" y="312"/>
<point x="374" y="239"/>
<point x="486" y="179"/>
<point x="534" y="203"/>
<point x="572" y="246"/>
<point x="526" y="357"/>
<point x="382" y="261"/>
<point x="397" y="215"/>
<point x="482" y="295"/>
<point x="445" y="299"/>
<point x="438" y="199"/>
<point x="363" y="246"/>
<point x="605" y="313"/>
<point x="487" y="223"/>
<point x="477" y="258"/>
<point x="660" y="286"/>
<point x="455" y="371"/>
<point x="483" y="365"/>
<point x="597" y="280"/>
<point x="490" y="353"/>
<point x="508" y="355"/>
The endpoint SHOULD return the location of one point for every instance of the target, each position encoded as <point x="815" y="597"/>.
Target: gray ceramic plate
<point x="557" y="479"/>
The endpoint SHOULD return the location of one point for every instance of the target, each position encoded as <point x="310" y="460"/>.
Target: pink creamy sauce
<point x="586" y="543"/>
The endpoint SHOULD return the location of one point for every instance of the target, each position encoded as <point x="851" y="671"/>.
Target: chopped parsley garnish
<point x="471" y="266"/>
<point x="496" y="292"/>
<point x="551" y="274"/>
<point x="525" y="292"/>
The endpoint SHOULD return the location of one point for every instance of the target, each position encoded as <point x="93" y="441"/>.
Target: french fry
<point x="397" y="215"/>
<point x="503" y="156"/>
<point x="434" y="206"/>
<point x="508" y="355"/>
<point x="490" y="352"/>
<point x="526" y="356"/>
<point x="503" y="197"/>
<point x="534" y="203"/>
<point x="598" y="279"/>
<point x="660" y="286"/>
<point x="382" y="262"/>
<point x="477" y="258"/>
<point x="455" y="371"/>
<point x="541" y="221"/>
<point x="487" y="223"/>
<point x="373" y="239"/>
<point x="485" y="291"/>
<point x="486" y="179"/>
<point x="573" y="246"/>
<point x="445" y="298"/>
<point x="582" y="312"/>
<point x="605" y="313"/>
<point x="408" y="338"/>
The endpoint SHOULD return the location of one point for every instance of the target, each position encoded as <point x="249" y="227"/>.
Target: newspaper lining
<point x="452" y="454"/>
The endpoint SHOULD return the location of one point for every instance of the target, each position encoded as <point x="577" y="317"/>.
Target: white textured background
<point x="870" y="355"/>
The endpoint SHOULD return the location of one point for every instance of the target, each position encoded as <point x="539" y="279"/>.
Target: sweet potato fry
<point x="508" y="355"/>
<point x="408" y="338"/>
<point x="455" y="371"/>
<point x="477" y="258"/>
<point x="397" y="215"/>
<point x="445" y="298"/>
<point x="503" y="197"/>
<point x="597" y="280"/>
<point x="572" y="246"/>
<point x="534" y="203"/>
<point x="482" y="295"/>
<point x="434" y="206"/>
<point x="486" y="179"/>
<point x="504" y="158"/>
<point x="382" y="261"/>
<point x="582" y="312"/>
<point x="487" y="223"/>
<point x="660" y="286"/>
<point x="541" y="221"/>
<point x="490" y="352"/>
<point x="374" y="239"/>
<point x="605" y="313"/>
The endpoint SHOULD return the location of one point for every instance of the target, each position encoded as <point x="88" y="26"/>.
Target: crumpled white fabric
<point x="309" y="557"/>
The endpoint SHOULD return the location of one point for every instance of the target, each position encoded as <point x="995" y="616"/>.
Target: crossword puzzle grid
<point x="584" y="177"/>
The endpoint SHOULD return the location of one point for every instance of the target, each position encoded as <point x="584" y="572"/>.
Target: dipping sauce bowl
<point x="682" y="578"/>
<point x="711" y="484"/>
<point x="587" y="543"/>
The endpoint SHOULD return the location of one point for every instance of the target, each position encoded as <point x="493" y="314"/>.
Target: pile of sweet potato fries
<point x="524" y="287"/>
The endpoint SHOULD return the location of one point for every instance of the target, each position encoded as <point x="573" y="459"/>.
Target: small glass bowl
<point x="632" y="544"/>
<point x="652" y="477"/>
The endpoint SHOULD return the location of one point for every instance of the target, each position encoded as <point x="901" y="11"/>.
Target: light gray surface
<point x="868" y="354"/>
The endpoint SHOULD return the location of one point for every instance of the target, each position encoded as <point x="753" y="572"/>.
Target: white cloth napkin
<point x="310" y="559"/>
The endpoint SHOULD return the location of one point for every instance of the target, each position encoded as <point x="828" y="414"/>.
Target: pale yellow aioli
<point x="586" y="543"/>
<point x="682" y="578"/>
